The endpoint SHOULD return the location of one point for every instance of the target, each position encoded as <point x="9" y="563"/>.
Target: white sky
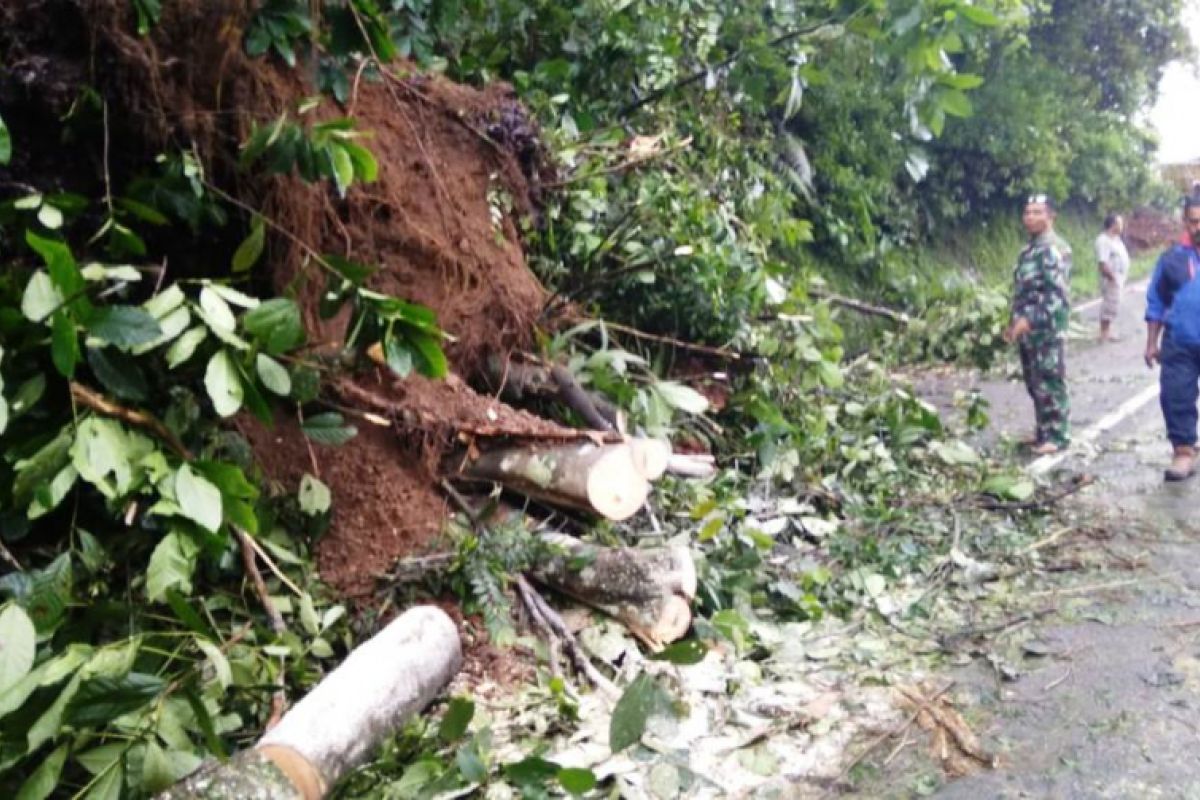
<point x="1176" y="116"/>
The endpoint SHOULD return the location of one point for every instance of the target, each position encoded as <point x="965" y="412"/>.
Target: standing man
<point x="1041" y="310"/>
<point x="1173" y="304"/>
<point x="1113" y="259"/>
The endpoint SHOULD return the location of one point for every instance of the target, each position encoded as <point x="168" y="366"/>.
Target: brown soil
<point x="384" y="503"/>
<point x="1150" y="229"/>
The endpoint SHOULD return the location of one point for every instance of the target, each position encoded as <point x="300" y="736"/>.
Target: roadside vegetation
<point x="700" y="176"/>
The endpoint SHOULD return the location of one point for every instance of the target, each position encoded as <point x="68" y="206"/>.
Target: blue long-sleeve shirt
<point x="1173" y="296"/>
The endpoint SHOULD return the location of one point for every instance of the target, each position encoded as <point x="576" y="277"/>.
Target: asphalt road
<point x="1111" y="707"/>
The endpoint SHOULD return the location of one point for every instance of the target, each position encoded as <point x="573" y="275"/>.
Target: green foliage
<point x="322" y="150"/>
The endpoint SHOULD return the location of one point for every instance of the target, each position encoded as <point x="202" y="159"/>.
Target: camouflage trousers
<point x="1044" y="369"/>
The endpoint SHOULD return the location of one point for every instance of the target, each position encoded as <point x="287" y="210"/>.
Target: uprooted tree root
<point x="458" y="170"/>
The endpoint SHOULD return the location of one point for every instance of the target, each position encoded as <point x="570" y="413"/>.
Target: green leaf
<point x="398" y="355"/>
<point x="59" y="260"/>
<point x="64" y="344"/>
<point x="577" y="781"/>
<point x="185" y="347"/>
<point x="220" y="664"/>
<point x="431" y="360"/>
<point x="640" y="699"/>
<point x="50" y="217"/>
<point x="314" y="497"/>
<point x="328" y="428"/>
<point x="50" y="722"/>
<point x="41" y="298"/>
<point x="343" y="168"/>
<point x="276" y="325"/>
<point x="223" y="384"/>
<point x="171" y="566"/>
<point x="456" y="719"/>
<point x="532" y="771"/>
<point x="101" y="700"/>
<point x="273" y="375"/>
<point x="681" y="397"/>
<point x="173" y="324"/>
<point x="47" y="498"/>
<point x="251" y="248"/>
<point x="41" y="467"/>
<point x="216" y="312"/>
<point x="689" y="651"/>
<point x="110" y="783"/>
<point x="366" y="168"/>
<point x="955" y="103"/>
<point x="198" y="499"/>
<point x="124" y="326"/>
<point x="18" y="645"/>
<point x="120" y="373"/>
<point x="44" y="779"/>
<point x="5" y="144"/>
<point x="156" y="769"/>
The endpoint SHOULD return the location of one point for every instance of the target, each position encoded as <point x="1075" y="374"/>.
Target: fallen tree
<point x="337" y="725"/>
<point x="649" y="590"/>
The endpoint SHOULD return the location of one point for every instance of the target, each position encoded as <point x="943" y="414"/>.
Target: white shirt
<point x="1111" y="250"/>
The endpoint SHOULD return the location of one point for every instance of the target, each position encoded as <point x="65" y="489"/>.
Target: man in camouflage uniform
<point x="1041" y="310"/>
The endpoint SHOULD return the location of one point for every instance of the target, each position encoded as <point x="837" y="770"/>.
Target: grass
<point x="988" y="252"/>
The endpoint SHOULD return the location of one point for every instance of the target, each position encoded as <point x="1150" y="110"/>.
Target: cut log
<point x="343" y="719"/>
<point x="649" y="590"/>
<point x="602" y="479"/>
<point x="651" y="456"/>
<point x="691" y="466"/>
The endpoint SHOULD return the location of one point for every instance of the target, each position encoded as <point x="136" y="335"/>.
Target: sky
<point x="1176" y="115"/>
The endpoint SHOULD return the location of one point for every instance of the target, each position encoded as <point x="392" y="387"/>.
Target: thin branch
<point x="898" y="317"/>
<point x="1072" y="486"/>
<point x="719" y="352"/>
<point x="556" y="623"/>
<point x="97" y="402"/>
<point x="249" y="549"/>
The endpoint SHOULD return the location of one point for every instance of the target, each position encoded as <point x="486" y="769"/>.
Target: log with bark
<point x="521" y="381"/>
<point x="603" y="479"/>
<point x="343" y="719"/>
<point x="649" y="590"/>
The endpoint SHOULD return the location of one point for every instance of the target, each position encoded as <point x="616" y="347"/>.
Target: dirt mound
<point x="1150" y="229"/>
<point x="457" y="169"/>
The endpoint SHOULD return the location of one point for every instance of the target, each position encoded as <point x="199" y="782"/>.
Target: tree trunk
<point x="603" y="479"/>
<point x="648" y="590"/>
<point x="339" y="723"/>
<point x="519" y="381"/>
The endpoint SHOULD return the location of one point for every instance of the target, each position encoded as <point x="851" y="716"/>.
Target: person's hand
<point x="1108" y="274"/>
<point x="1152" y="354"/>
<point x="1020" y="326"/>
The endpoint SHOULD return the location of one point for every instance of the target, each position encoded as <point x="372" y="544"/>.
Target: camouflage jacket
<point x="1041" y="284"/>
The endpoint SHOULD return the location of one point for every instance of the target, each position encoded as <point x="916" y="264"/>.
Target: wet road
<point x="1114" y="710"/>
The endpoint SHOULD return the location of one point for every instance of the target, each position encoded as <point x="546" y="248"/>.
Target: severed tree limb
<point x="97" y="402"/>
<point x="649" y="590"/>
<point x="858" y="305"/>
<point x="719" y="352"/>
<point x="519" y="381"/>
<point x="337" y="725"/>
<point x="602" y="479"/>
<point x="574" y="396"/>
<point x="550" y="618"/>
<point x="691" y="466"/>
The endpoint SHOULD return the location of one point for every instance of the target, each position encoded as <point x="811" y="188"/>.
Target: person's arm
<point x="1029" y="299"/>
<point x="1156" y="312"/>
<point x="1104" y="257"/>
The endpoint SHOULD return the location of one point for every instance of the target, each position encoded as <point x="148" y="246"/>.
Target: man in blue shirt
<point x="1173" y="306"/>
